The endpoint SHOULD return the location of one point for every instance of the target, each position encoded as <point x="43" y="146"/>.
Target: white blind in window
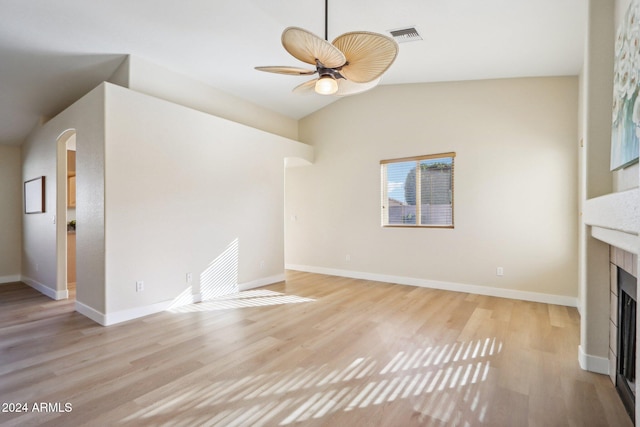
<point x="418" y="191"/>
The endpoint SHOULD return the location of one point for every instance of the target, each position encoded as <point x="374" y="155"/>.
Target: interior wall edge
<point x="588" y="362"/>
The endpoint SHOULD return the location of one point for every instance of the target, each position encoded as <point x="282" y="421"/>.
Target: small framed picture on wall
<point x="34" y="195"/>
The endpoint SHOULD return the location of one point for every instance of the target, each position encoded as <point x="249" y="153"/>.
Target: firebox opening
<point x="626" y="367"/>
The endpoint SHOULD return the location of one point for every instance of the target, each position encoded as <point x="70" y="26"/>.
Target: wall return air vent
<point x="404" y="35"/>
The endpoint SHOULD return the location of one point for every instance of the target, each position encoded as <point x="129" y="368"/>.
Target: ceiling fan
<point x="354" y="62"/>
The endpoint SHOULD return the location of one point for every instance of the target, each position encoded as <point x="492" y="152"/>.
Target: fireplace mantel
<point x="615" y="219"/>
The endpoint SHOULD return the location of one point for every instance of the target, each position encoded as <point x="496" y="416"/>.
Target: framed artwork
<point x="34" y="195"/>
<point x="625" y="129"/>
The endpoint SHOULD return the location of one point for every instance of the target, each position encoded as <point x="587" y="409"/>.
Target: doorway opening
<point x="66" y="213"/>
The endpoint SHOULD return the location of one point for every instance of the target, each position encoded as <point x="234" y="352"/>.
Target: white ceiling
<point x="54" y="51"/>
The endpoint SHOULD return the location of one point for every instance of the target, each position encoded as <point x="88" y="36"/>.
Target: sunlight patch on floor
<point x="425" y="377"/>
<point x="255" y="298"/>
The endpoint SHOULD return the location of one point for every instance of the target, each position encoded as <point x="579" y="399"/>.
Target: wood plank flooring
<point x="314" y="350"/>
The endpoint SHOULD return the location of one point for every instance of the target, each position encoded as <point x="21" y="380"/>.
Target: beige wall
<point x="10" y="213"/>
<point x="515" y="185"/>
<point x="187" y="192"/>
<point x="595" y="180"/>
<point x="162" y="190"/>
<point x="44" y="235"/>
<point x="145" y="77"/>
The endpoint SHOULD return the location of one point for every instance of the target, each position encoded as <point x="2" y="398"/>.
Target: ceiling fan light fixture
<point x="352" y="63"/>
<point x="326" y="85"/>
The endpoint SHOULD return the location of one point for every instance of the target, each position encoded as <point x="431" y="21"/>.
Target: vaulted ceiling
<point x="53" y="52"/>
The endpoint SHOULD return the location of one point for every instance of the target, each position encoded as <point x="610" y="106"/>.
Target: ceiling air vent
<point x="404" y="35"/>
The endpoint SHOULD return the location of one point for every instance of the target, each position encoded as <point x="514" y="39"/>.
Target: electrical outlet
<point x="139" y="286"/>
<point x="499" y="271"/>
<point x="262" y="264"/>
<point x="189" y="277"/>
<point x="347" y="257"/>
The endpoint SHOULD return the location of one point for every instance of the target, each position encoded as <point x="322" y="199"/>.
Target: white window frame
<point x="385" y="198"/>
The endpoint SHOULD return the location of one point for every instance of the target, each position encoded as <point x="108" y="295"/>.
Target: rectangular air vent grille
<point x="404" y="35"/>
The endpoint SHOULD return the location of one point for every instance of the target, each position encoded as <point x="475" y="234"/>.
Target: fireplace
<point x="626" y="346"/>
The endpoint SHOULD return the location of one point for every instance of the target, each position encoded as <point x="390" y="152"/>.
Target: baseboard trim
<point x="579" y="306"/>
<point x="447" y="286"/>
<point x="10" y="279"/>
<point x="135" y="313"/>
<point x="45" y="290"/>
<point x="262" y="282"/>
<point x="91" y="313"/>
<point x="138" y="312"/>
<point x="597" y="364"/>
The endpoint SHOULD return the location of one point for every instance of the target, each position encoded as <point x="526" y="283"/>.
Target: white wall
<point x="40" y="232"/>
<point x="145" y="77"/>
<point x="187" y="192"/>
<point x="515" y="187"/>
<point x="10" y="213"/>
<point x="162" y="190"/>
<point x="596" y="180"/>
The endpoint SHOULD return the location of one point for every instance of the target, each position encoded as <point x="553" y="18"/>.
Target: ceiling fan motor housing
<point x="324" y="71"/>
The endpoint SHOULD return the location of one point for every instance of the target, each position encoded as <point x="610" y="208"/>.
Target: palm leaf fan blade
<point x="307" y="47"/>
<point x="368" y="55"/>
<point x="306" y="87"/>
<point x="347" y="87"/>
<point x="292" y="71"/>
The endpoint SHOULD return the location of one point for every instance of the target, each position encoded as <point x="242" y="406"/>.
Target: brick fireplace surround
<point x="613" y="220"/>
<point x="628" y="262"/>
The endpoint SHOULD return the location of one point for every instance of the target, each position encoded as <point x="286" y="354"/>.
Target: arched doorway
<point x="65" y="212"/>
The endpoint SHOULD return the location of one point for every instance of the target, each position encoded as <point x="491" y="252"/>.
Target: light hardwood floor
<point x="314" y="350"/>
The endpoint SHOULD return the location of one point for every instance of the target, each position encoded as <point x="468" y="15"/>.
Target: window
<point x="425" y="178"/>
